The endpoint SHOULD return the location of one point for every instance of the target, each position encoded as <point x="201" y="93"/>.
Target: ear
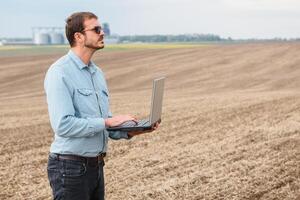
<point x="78" y="37"/>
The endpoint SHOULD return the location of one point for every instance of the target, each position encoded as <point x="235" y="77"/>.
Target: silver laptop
<point x="155" y="111"/>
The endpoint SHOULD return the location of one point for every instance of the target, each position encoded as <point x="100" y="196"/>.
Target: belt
<point x="78" y="158"/>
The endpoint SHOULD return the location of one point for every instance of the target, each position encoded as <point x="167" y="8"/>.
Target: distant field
<point x="24" y="50"/>
<point x="230" y="127"/>
<point x="16" y="50"/>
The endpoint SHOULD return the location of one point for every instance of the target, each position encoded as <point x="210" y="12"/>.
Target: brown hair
<point x="74" y="23"/>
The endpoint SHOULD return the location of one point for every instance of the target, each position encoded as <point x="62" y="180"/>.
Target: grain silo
<point x="47" y="35"/>
<point x="41" y="38"/>
<point x="56" y="38"/>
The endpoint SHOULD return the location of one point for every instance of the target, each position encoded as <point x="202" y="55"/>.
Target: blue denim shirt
<point x="78" y="103"/>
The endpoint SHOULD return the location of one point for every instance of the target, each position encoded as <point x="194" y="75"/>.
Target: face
<point x="92" y="39"/>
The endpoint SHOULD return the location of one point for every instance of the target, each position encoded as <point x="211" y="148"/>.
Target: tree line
<point x="171" y="38"/>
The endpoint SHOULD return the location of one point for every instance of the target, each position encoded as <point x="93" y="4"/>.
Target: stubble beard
<point x="94" y="47"/>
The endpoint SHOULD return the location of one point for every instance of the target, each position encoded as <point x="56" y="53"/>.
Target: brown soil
<point x="230" y="126"/>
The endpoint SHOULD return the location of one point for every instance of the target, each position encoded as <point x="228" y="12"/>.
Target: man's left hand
<point x="134" y="133"/>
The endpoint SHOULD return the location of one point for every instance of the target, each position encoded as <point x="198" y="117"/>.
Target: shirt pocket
<point x="85" y="91"/>
<point x="86" y="102"/>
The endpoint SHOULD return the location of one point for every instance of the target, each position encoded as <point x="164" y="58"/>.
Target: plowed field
<point x="230" y="127"/>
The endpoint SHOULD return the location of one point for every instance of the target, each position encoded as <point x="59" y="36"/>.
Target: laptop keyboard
<point x="132" y="123"/>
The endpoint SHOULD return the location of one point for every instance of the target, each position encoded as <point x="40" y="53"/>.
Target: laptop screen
<point x="157" y="99"/>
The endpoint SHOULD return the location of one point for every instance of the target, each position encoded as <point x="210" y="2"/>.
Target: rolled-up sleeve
<point x="61" y="109"/>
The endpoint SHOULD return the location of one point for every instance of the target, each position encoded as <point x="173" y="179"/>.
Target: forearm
<point x="71" y="126"/>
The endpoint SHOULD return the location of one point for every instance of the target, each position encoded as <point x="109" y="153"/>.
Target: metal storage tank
<point x="106" y="29"/>
<point x="56" y="38"/>
<point x="41" y="38"/>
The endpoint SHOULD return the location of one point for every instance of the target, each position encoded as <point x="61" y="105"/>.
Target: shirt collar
<point x="81" y="65"/>
<point x="92" y="67"/>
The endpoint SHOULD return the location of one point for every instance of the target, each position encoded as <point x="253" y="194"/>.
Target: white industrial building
<point x="48" y="35"/>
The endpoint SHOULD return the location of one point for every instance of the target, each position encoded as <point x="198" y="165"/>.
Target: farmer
<point x="78" y="105"/>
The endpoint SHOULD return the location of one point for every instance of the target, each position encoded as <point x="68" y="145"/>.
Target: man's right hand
<point x="118" y="120"/>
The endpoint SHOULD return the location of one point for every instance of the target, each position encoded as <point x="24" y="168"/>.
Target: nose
<point x="102" y="33"/>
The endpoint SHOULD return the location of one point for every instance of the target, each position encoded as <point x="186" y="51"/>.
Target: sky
<point x="238" y="19"/>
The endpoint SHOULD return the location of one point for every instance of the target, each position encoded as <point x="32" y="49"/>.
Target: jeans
<point x="75" y="180"/>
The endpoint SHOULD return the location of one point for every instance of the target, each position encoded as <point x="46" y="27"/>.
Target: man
<point x="78" y="104"/>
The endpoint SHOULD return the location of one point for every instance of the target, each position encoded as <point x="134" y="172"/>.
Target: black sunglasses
<point x="97" y="29"/>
